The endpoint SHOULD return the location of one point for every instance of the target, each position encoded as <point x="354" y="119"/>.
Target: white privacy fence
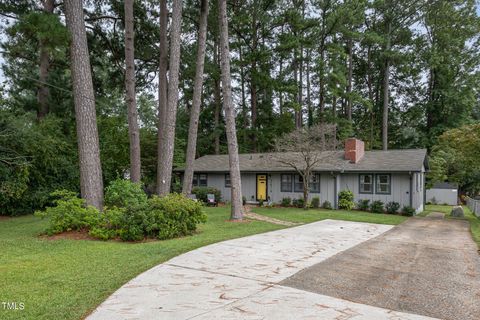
<point x="474" y="206"/>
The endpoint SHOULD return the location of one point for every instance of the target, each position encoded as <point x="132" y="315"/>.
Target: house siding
<point x="326" y="189"/>
<point x="401" y="186"/>
<point x="249" y="188"/>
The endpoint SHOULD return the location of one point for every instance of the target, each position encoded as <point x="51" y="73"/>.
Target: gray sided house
<point x="393" y="175"/>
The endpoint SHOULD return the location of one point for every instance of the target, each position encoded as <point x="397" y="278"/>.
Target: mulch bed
<point x="83" y="235"/>
<point x="70" y="235"/>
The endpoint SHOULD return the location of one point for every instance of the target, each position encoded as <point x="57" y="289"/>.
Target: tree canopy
<point x="396" y="74"/>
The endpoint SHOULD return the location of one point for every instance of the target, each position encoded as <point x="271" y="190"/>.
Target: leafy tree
<point x="455" y="158"/>
<point x="302" y="149"/>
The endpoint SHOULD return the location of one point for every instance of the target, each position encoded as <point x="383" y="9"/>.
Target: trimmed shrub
<point x="327" y="205"/>
<point x="286" y="202"/>
<point x="175" y="216"/>
<point x="298" y="202"/>
<point x="363" y="204"/>
<point x="408" y="211"/>
<point x="392" y="207"/>
<point x="345" y="200"/>
<point x="376" y="206"/>
<point x="260" y="203"/>
<point x="109" y="225"/>
<point x="124" y="193"/>
<point x="68" y="213"/>
<point x="168" y="217"/>
<point x="201" y="193"/>
<point x="315" y="202"/>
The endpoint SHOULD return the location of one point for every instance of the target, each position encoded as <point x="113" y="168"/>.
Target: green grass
<point x="429" y="208"/>
<point x="472" y="219"/>
<point x="66" y="279"/>
<point x="474" y="225"/>
<point x="311" y="215"/>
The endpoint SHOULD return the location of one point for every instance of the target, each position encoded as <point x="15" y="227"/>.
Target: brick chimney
<point x="354" y="150"/>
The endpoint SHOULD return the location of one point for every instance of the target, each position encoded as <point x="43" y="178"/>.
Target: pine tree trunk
<point x="349" y="80"/>
<point x="309" y="99"/>
<point x="280" y="94"/>
<point x="254" y="111"/>
<point x="236" y="189"/>
<point x="197" y="99"/>
<point x="91" y="183"/>
<point x="162" y="90"/>
<point x="298" y="119"/>
<point x="370" y="95"/>
<point x="321" y="82"/>
<point x="334" y="116"/>
<point x="168" y="142"/>
<point x="43" y="91"/>
<point x="244" y="98"/>
<point x="218" y="99"/>
<point x="253" y="86"/>
<point x="281" y="81"/>
<point x="386" y="92"/>
<point x="133" y="130"/>
<point x="216" y="117"/>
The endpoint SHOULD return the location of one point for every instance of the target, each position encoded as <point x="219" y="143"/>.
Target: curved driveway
<point x="239" y="279"/>
<point x="424" y="266"/>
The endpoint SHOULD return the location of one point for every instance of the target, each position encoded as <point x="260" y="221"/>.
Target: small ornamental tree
<point x="302" y="149"/>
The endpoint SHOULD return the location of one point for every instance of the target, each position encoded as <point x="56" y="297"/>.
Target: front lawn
<point x="437" y="208"/>
<point x="67" y="279"/>
<point x="311" y="215"/>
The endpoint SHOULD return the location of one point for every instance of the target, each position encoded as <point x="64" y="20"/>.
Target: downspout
<point x="335" y="201"/>
<point x="411" y="190"/>
<point x="424" y="191"/>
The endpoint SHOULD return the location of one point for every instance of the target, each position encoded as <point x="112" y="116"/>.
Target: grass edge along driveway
<point x="67" y="279"/>
<point x="469" y="216"/>
<point x="311" y="215"/>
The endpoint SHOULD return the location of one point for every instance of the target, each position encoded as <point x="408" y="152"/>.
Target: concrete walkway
<point x="428" y="266"/>
<point x="255" y="216"/>
<point x="259" y="217"/>
<point x="239" y="279"/>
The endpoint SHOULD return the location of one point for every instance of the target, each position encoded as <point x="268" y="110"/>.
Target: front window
<point x="228" y="182"/>
<point x="315" y="183"/>
<point x="195" y="180"/>
<point x="383" y="184"/>
<point x="286" y="183"/>
<point x="202" y="180"/>
<point x="298" y="185"/>
<point x="366" y="183"/>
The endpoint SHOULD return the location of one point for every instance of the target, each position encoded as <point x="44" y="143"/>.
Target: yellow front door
<point x="262" y="187"/>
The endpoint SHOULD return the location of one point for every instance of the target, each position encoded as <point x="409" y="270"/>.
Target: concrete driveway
<point x="424" y="266"/>
<point x="239" y="279"/>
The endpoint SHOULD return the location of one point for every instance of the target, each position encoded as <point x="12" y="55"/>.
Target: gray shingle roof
<point x="391" y="160"/>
